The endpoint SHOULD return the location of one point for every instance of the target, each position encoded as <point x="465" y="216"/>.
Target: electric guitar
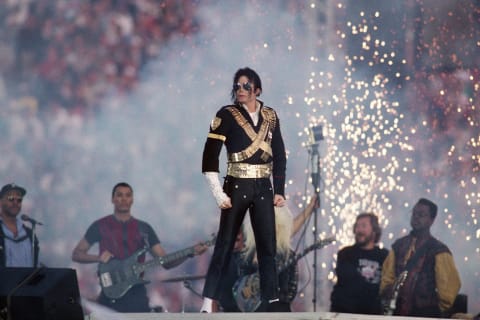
<point x="118" y="276"/>
<point x="246" y="290"/>
<point x="392" y="303"/>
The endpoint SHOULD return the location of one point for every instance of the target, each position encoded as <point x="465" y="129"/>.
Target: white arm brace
<point x="215" y="187"/>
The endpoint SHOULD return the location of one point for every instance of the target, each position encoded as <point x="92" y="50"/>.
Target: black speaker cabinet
<point x="39" y="294"/>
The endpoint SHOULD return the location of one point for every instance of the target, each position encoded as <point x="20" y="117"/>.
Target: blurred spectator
<point x="89" y="49"/>
<point x="71" y="53"/>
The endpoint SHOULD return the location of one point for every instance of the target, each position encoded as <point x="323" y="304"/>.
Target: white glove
<point x="216" y="188"/>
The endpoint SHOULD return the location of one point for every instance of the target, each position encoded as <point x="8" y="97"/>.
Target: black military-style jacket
<point x="225" y="129"/>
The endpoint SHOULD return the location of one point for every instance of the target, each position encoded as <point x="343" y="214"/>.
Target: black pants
<point x="135" y="300"/>
<point x="257" y="196"/>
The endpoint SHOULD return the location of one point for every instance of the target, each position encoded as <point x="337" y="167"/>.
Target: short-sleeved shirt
<point x="18" y="250"/>
<point x="120" y="238"/>
<point x="359" y="274"/>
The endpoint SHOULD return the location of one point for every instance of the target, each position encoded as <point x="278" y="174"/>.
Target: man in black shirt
<point x="359" y="269"/>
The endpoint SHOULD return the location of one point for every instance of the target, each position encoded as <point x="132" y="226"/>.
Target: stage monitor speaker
<point x="39" y="294"/>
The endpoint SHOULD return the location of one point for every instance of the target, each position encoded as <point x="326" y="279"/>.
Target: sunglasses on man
<point x="14" y="199"/>
<point x="246" y="86"/>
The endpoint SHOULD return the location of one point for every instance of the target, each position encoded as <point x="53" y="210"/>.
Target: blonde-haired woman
<point x="286" y="227"/>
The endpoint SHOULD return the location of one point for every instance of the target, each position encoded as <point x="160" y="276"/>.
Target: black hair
<point x="431" y="205"/>
<point x="251" y="75"/>
<point x="373" y="221"/>
<point x="121" y="184"/>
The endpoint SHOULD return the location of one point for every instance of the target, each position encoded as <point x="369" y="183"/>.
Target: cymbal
<point x="184" y="278"/>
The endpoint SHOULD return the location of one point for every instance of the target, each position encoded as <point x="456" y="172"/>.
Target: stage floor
<point x="237" y="316"/>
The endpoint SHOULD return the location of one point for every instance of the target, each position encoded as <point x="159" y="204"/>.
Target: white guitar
<point x="246" y="290"/>
<point x="391" y="304"/>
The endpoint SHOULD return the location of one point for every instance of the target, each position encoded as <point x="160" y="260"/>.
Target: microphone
<point x="24" y="217"/>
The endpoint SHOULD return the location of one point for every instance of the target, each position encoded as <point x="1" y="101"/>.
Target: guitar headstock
<point x="320" y="243"/>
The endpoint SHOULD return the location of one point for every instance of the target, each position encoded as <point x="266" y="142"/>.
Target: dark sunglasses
<point x="246" y="86"/>
<point x="13" y="199"/>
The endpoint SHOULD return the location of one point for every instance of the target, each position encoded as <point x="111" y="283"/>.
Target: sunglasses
<point x="246" y="86"/>
<point x="14" y="199"/>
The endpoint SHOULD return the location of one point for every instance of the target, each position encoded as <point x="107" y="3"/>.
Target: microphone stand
<point x="315" y="175"/>
<point x="8" y="307"/>
<point x="20" y="285"/>
<point x="188" y="285"/>
<point x="34" y="236"/>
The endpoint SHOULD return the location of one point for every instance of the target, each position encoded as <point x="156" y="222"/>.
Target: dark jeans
<point x="256" y="195"/>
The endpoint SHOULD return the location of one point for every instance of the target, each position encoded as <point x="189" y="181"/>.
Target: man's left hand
<point x="200" y="248"/>
<point x="278" y="200"/>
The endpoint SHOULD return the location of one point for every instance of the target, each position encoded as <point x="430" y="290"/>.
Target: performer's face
<point x="245" y="90"/>
<point x="11" y="203"/>
<point x="122" y="199"/>
<point x="364" y="234"/>
<point x="238" y="242"/>
<point x="421" y="218"/>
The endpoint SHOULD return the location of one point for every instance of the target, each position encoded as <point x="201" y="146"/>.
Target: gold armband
<point x="217" y="137"/>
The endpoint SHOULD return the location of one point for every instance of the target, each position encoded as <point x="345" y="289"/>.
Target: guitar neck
<point x="169" y="258"/>
<point x="295" y="258"/>
<point x="392" y="302"/>
<point x="173" y="257"/>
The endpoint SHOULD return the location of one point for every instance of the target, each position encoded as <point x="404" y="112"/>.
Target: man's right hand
<point x="105" y="256"/>
<point x="223" y="201"/>
<point x="226" y="204"/>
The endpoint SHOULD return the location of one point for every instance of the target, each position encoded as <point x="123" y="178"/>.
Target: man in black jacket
<point x="425" y="268"/>
<point x="16" y="239"/>
<point x="255" y="182"/>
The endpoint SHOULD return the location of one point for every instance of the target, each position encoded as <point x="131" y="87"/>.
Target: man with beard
<point x="16" y="239"/>
<point x="359" y="269"/>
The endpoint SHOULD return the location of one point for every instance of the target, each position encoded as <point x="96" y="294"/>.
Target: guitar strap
<point x="410" y="281"/>
<point x="14" y="240"/>
<point x="144" y="234"/>
<point x="20" y="239"/>
<point x="413" y="260"/>
<point x="29" y="236"/>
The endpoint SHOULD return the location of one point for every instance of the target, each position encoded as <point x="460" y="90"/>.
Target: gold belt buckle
<point x="245" y="170"/>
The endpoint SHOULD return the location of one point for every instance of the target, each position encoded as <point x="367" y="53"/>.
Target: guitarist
<point x="120" y="235"/>
<point x="359" y="269"/>
<point x="286" y="227"/>
<point x="432" y="281"/>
